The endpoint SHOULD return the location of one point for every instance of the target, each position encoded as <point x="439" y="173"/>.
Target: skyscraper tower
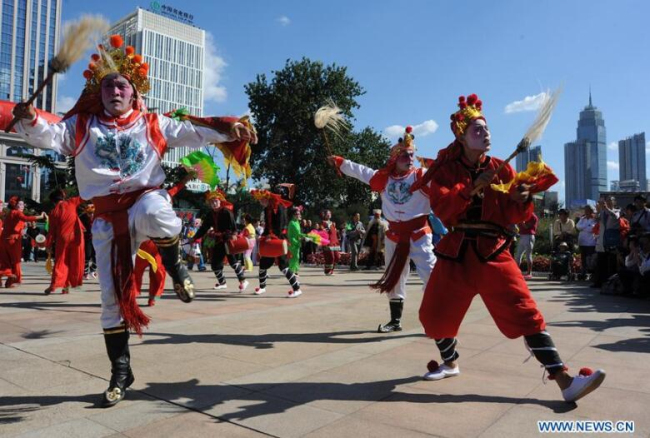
<point x="533" y="153"/>
<point x="585" y="159"/>
<point x="631" y="157"/>
<point x="28" y="40"/>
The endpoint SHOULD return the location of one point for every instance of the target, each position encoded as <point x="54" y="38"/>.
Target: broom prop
<point x="330" y="118"/>
<point x="78" y="37"/>
<point x="535" y="130"/>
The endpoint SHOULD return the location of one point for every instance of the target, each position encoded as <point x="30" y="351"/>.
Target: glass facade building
<point x="533" y="153"/>
<point x="585" y="159"/>
<point x="29" y="38"/>
<point x="631" y="157"/>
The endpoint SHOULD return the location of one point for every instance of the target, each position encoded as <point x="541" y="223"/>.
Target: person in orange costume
<point x="473" y="258"/>
<point x="148" y="255"/>
<point x="11" y="241"/>
<point x="66" y="234"/>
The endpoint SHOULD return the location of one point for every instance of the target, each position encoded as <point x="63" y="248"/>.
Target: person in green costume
<point x="295" y="236"/>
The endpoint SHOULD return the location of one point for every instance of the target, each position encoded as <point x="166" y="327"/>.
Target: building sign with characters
<point x="171" y="12"/>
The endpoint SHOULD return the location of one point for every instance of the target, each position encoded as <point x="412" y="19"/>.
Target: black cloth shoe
<point x="117" y="347"/>
<point x="394" y="325"/>
<point x="170" y="252"/>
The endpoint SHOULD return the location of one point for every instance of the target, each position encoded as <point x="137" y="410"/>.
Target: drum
<point x="237" y="245"/>
<point x="273" y="247"/>
<point x="40" y="240"/>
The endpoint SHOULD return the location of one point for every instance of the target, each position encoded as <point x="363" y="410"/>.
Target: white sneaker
<point x="442" y="372"/>
<point x="294" y="293"/>
<point x="259" y="291"/>
<point x="583" y="385"/>
<point x="243" y="285"/>
<point x="220" y="286"/>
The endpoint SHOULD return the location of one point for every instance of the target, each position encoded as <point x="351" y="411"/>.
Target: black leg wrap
<point x="542" y="346"/>
<point x="293" y="280"/>
<point x="170" y="252"/>
<point x="219" y="274"/>
<point x="447" y="347"/>
<point x="239" y="271"/>
<point x="394" y="325"/>
<point x="263" y="277"/>
<point x="117" y="347"/>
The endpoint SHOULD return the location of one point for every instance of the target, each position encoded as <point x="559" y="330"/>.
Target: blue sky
<point x="415" y="58"/>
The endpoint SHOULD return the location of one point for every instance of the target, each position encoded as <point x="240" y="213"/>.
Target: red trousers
<point x="331" y="258"/>
<point x="11" y="251"/>
<point x="500" y="284"/>
<point x="156" y="279"/>
<point x="69" y="260"/>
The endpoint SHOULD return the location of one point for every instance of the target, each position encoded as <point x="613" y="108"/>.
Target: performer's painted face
<point x="327" y="215"/>
<point x="21" y="205"/>
<point x="215" y="204"/>
<point x="117" y="94"/>
<point x="405" y="161"/>
<point x="477" y="136"/>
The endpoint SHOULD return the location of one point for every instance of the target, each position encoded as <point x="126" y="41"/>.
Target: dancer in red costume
<point x="473" y="258"/>
<point x="331" y="251"/>
<point x="148" y="255"/>
<point x="11" y="241"/>
<point x="66" y="234"/>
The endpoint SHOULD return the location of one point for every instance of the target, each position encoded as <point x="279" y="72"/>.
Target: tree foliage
<point x="291" y="149"/>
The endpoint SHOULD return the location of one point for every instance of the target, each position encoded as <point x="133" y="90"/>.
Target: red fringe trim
<point x="122" y="270"/>
<point x="395" y="268"/>
<point x="432" y="366"/>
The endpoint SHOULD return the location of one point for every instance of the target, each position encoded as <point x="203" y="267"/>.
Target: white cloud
<point x="612" y="165"/>
<point x="613" y="146"/>
<point x="213" y="72"/>
<point x="530" y="103"/>
<point x="284" y="20"/>
<point x="647" y="148"/>
<point x="64" y="103"/>
<point x="422" y="130"/>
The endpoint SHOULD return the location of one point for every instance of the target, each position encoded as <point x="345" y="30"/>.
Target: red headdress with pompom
<point x="380" y="178"/>
<point x="470" y="109"/>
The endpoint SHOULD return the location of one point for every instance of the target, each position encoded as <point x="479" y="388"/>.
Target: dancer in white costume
<point x="117" y="148"/>
<point x="409" y="234"/>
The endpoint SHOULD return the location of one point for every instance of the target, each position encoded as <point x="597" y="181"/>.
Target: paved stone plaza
<point x="239" y="365"/>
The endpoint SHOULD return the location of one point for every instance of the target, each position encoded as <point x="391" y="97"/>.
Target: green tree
<point x="291" y="149"/>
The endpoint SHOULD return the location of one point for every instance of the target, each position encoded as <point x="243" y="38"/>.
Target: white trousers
<point x="525" y="246"/>
<point x="421" y="253"/>
<point x="151" y="216"/>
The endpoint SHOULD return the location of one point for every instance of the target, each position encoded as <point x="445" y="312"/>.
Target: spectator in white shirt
<point x="586" y="238"/>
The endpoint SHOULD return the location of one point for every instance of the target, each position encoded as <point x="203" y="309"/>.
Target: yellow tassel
<point x="148" y="257"/>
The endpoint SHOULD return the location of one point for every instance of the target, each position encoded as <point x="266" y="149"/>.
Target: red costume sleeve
<point x="449" y="202"/>
<point x="21" y="216"/>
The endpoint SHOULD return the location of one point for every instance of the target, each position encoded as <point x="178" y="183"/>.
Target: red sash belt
<point x="405" y="230"/>
<point x="115" y="210"/>
<point x="402" y="233"/>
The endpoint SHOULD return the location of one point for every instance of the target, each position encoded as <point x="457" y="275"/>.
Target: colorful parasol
<point x="204" y="167"/>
